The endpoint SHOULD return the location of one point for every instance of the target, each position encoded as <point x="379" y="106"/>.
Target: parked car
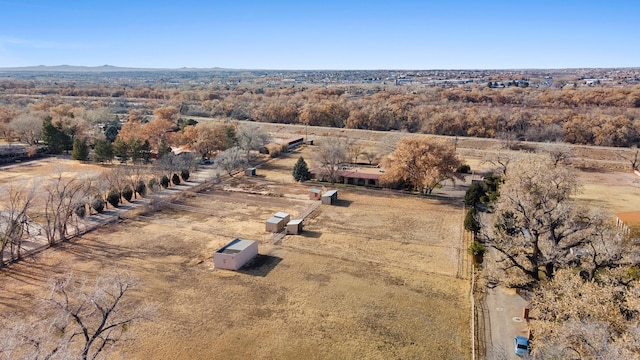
<point x="521" y="345"/>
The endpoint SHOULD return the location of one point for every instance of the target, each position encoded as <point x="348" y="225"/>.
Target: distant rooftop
<point x="632" y="217"/>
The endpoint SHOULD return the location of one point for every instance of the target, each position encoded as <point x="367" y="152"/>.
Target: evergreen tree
<point x="53" y="136"/>
<point x="121" y="150"/>
<point x="301" y="170"/>
<point x="135" y="149"/>
<point x="103" y="151"/>
<point x="111" y="130"/>
<point x="471" y="223"/>
<point x="163" y="149"/>
<point x="113" y="197"/>
<point x="474" y="195"/>
<point x="145" y="152"/>
<point x="80" y="150"/>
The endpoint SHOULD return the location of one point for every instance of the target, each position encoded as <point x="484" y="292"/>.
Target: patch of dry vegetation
<point x="373" y="277"/>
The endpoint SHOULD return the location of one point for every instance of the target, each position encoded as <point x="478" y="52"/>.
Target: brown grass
<point x="371" y="278"/>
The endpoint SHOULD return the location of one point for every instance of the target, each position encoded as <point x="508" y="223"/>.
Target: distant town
<point x="277" y="78"/>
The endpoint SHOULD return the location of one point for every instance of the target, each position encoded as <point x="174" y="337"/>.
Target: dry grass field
<point x="372" y="278"/>
<point x="378" y="276"/>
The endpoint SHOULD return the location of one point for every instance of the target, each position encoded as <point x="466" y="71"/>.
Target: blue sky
<point x="283" y="34"/>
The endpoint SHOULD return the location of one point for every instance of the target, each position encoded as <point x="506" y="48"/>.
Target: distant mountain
<point x="103" y="68"/>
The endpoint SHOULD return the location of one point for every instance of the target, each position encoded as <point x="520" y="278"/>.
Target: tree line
<point x="593" y="116"/>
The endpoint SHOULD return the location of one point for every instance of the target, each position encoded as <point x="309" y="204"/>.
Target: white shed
<point x="235" y="254"/>
<point x="275" y="224"/>
<point x="294" y="227"/>
<point x="283" y="215"/>
<point x="330" y="197"/>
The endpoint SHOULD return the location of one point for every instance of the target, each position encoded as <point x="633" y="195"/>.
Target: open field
<point x="381" y="275"/>
<point x="373" y="277"/>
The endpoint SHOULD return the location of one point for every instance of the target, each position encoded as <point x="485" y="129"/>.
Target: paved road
<point x="505" y="321"/>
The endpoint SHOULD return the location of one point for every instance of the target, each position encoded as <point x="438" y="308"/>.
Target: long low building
<point x="351" y="176"/>
<point x="235" y="254"/>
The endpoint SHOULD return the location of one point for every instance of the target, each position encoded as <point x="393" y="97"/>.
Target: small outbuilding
<point x="275" y="224"/>
<point x="294" y="227"/>
<point x="314" y="194"/>
<point x="250" y="171"/>
<point x="330" y="197"/>
<point x="283" y="215"/>
<point x="235" y="254"/>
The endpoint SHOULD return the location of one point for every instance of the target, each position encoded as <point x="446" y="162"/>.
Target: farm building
<point x="275" y="224"/>
<point x="294" y="142"/>
<point x="283" y="215"/>
<point x="284" y="145"/>
<point x="235" y="254"/>
<point x="294" y="227"/>
<point x="361" y="176"/>
<point x="314" y="194"/>
<point x="330" y="197"/>
<point x="250" y="171"/>
<point x="628" y="220"/>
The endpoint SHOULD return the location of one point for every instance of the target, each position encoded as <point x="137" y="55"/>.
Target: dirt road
<point x="505" y="321"/>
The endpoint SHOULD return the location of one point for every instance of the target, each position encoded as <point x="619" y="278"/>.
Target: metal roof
<point x="281" y="214"/>
<point x="274" y="220"/>
<point x="235" y="246"/>
<point x="294" y="222"/>
<point x="330" y="193"/>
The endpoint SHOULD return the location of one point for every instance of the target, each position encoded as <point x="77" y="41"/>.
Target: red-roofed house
<point x="352" y="176"/>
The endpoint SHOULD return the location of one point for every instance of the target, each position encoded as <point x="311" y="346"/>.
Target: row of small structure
<point x="238" y="252"/>
<point x="280" y="220"/>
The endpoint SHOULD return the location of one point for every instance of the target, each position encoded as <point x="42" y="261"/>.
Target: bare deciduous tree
<point x="84" y="321"/>
<point x="231" y="159"/>
<point x="587" y="319"/>
<point x="560" y="153"/>
<point x="329" y="155"/>
<point x="354" y="150"/>
<point x="252" y="137"/>
<point x="27" y="127"/>
<point x="17" y="201"/>
<point x="632" y="157"/>
<point x="500" y="162"/>
<point x="62" y="197"/>
<point x="537" y="228"/>
<point x="371" y="156"/>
